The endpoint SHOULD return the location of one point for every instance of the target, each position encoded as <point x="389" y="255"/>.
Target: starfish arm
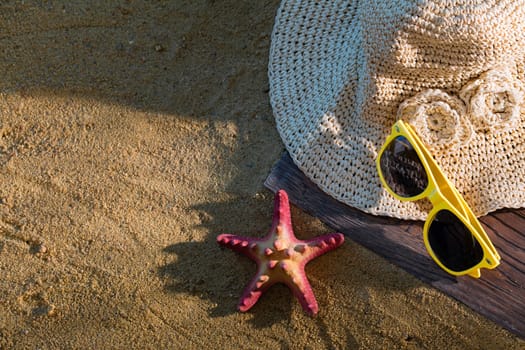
<point x="243" y="245"/>
<point x="253" y="291"/>
<point x="302" y="290"/>
<point x="323" y="244"/>
<point x="281" y="213"/>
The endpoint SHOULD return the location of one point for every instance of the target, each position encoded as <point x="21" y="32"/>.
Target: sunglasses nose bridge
<point x="435" y="197"/>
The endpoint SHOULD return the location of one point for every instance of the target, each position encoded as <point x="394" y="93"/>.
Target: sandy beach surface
<point x="132" y="133"/>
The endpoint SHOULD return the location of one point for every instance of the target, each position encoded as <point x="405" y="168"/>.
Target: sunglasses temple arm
<point x="447" y="191"/>
<point x="443" y="185"/>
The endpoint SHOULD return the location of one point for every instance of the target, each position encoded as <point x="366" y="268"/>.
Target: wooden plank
<point x="498" y="295"/>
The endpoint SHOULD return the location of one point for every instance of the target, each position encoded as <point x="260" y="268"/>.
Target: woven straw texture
<point x="342" y="72"/>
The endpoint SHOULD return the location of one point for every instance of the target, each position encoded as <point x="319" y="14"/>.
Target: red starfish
<point x="281" y="257"/>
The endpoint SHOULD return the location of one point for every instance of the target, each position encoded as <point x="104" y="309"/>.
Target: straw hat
<point x="342" y="72"/>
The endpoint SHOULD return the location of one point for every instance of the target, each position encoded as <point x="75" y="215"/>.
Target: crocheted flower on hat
<point x="493" y="100"/>
<point x="438" y="117"/>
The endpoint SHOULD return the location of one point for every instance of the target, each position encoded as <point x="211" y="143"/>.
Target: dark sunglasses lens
<point x="453" y="243"/>
<point x="402" y="169"/>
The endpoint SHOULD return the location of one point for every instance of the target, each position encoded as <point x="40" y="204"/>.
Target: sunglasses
<point x="453" y="236"/>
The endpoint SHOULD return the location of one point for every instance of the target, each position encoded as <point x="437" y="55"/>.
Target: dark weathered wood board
<point x="499" y="294"/>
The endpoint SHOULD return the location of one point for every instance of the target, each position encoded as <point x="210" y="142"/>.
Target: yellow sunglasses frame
<point x="444" y="196"/>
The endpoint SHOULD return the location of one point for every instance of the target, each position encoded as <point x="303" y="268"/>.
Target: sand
<point x="131" y="135"/>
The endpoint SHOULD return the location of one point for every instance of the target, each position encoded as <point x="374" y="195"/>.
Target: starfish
<point x="281" y="257"/>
